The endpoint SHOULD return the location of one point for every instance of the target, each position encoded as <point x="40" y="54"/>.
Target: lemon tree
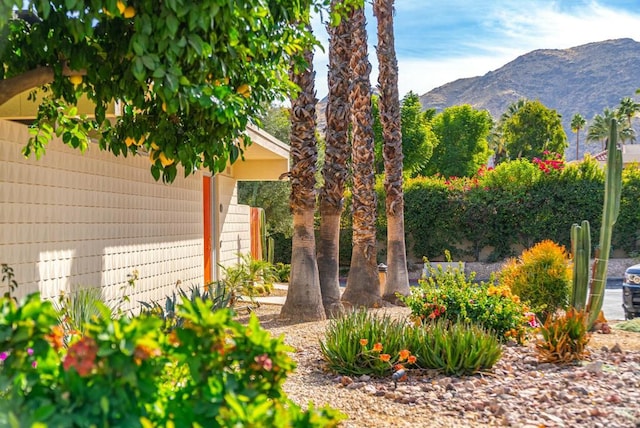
<point x="187" y="76"/>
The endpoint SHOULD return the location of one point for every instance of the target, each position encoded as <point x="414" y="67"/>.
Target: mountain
<point x="585" y="79"/>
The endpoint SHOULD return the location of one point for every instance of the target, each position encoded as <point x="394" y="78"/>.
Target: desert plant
<point x="541" y="277"/>
<point x="564" y="338"/>
<point x="452" y="295"/>
<point x="610" y="210"/>
<point x="456" y="348"/>
<point x="214" y="295"/>
<point x="282" y="271"/>
<point x="354" y="343"/>
<point x="581" y="252"/>
<point x="631" y="325"/>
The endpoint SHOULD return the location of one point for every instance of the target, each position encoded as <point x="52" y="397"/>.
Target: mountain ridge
<point x="584" y="79"/>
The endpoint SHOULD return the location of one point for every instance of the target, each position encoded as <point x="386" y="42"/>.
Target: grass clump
<point x="631" y="325"/>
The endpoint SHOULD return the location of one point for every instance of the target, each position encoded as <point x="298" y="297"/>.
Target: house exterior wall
<point x="74" y="220"/>
<point x="234" y="221"/>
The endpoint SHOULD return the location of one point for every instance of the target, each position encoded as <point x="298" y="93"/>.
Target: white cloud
<point x="486" y="36"/>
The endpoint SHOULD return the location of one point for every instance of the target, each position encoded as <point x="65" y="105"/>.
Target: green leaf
<point x="172" y="24"/>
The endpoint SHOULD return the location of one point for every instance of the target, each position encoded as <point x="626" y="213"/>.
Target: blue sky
<point x="441" y="41"/>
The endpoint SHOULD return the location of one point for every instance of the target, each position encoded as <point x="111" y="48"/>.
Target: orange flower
<point x="385" y="357"/>
<point x="364" y="342"/>
<point x="173" y="339"/>
<point x="143" y="352"/>
<point x="377" y="347"/>
<point x="398" y="367"/>
<point x="404" y="354"/>
<point x="56" y="337"/>
<point x="412" y="359"/>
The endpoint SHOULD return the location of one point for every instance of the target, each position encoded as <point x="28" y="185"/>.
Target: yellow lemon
<point x="121" y="7"/>
<point x="129" y="12"/>
<point x="164" y="160"/>
<point x="244" y="90"/>
<point x="75" y="79"/>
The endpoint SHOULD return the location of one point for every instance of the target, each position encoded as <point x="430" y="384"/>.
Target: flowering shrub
<point x="549" y="162"/>
<point x="213" y="371"/>
<point x="362" y="343"/>
<point x="450" y="295"/>
<point x="541" y="277"/>
<point x="452" y="348"/>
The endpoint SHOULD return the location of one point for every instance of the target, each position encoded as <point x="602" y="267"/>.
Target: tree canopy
<point x="531" y="130"/>
<point x="418" y="139"/>
<point x="462" y="134"/>
<point x="189" y="76"/>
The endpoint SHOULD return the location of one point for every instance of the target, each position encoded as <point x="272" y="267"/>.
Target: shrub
<point x="215" y="295"/>
<point x="541" y="277"/>
<point x="354" y="343"/>
<point x="362" y="343"/>
<point x="213" y="371"/>
<point x="450" y="295"/>
<point x="564" y="338"/>
<point x="456" y="348"/>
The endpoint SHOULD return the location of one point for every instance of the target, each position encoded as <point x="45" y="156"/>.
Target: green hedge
<point x="515" y="204"/>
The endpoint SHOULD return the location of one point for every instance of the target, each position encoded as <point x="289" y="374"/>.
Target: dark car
<point x="631" y="292"/>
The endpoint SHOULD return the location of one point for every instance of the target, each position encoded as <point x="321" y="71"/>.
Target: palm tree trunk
<point x="363" y="285"/>
<point x="334" y="172"/>
<point x="397" y="281"/>
<point x="304" y="301"/>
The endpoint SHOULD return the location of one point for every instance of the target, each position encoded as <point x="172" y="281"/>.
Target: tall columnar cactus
<point x="613" y="186"/>
<point x="581" y="249"/>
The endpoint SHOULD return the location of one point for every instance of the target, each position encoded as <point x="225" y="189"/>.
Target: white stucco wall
<point x="78" y="220"/>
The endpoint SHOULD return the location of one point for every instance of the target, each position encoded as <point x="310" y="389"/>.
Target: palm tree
<point x="363" y="285"/>
<point x="304" y="301"/>
<point x="628" y="109"/>
<point x="600" y="125"/>
<point x="397" y="281"/>
<point x="334" y="171"/>
<point x="577" y="123"/>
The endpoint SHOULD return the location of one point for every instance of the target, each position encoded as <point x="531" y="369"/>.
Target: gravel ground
<point x="602" y="391"/>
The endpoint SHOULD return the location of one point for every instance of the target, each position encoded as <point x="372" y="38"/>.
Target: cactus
<point x="581" y="249"/>
<point x="271" y="245"/>
<point x="611" y="207"/>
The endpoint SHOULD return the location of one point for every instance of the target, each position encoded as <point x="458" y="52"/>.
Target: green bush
<point x="515" y="204"/>
<point x="212" y="371"/>
<point x="456" y="348"/>
<point x="541" y="277"/>
<point x="451" y="295"/>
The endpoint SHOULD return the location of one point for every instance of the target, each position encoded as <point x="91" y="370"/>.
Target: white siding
<point x="235" y="235"/>
<point x="88" y="220"/>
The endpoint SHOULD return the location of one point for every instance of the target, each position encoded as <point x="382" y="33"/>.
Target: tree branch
<point x="13" y="86"/>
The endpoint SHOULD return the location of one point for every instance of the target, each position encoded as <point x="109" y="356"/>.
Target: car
<point x="631" y="292"/>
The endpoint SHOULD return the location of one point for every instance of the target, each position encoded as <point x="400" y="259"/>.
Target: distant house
<point x="630" y="154"/>
<point x="89" y="220"/>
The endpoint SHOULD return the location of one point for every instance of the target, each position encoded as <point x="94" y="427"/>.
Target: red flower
<point x="81" y="356"/>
